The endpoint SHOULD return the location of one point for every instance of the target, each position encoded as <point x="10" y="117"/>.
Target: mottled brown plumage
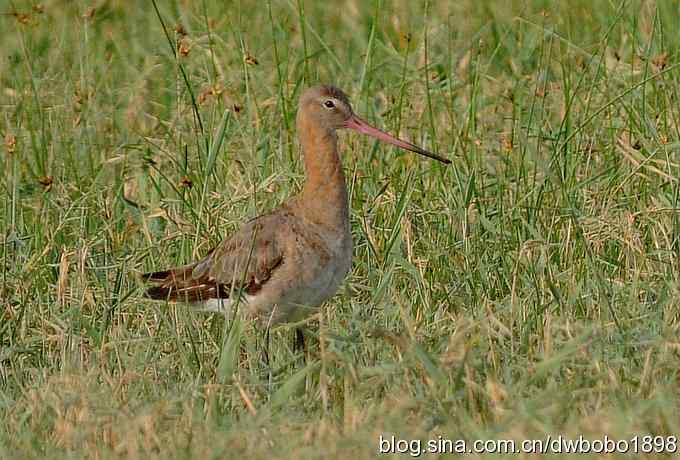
<point x="284" y="264"/>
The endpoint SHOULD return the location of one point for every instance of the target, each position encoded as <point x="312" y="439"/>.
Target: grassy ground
<point x="529" y="290"/>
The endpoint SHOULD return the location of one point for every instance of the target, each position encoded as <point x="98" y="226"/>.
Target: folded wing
<point x="241" y="264"/>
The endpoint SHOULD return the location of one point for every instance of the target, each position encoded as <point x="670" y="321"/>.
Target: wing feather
<point x="246" y="261"/>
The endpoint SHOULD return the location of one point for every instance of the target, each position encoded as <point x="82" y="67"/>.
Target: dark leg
<point x="265" y="352"/>
<point x="299" y="345"/>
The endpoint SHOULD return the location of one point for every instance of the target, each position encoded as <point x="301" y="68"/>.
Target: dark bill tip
<point x="363" y="127"/>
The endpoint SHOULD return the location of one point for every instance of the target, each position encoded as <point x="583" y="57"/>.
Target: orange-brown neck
<point x="324" y="194"/>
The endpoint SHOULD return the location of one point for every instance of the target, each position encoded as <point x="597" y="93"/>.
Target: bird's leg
<point x="265" y="349"/>
<point x="265" y="358"/>
<point x="299" y="344"/>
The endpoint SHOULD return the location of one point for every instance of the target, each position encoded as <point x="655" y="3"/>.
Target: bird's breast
<point x="328" y="259"/>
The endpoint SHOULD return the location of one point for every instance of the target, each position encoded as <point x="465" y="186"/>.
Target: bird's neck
<point x="324" y="194"/>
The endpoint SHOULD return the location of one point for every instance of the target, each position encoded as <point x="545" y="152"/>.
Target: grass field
<point x="529" y="290"/>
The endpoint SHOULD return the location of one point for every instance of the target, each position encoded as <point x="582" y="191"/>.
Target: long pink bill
<point x="361" y="126"/>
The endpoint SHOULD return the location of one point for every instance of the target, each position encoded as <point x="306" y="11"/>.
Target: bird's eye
<point x="328" y="104"/>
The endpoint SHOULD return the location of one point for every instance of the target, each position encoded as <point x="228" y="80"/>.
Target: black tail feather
<point x="156" y="276"/>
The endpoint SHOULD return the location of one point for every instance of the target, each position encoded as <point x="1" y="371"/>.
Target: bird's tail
<point x="179" y="285"/>
<point x="168" y="284"/>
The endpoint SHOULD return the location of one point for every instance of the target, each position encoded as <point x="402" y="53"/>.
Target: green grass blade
<point x="230" y="351"/>
<point x="284" y="394"/>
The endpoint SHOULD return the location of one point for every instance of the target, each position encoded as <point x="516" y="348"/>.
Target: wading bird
<point x="281" y="266"/>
